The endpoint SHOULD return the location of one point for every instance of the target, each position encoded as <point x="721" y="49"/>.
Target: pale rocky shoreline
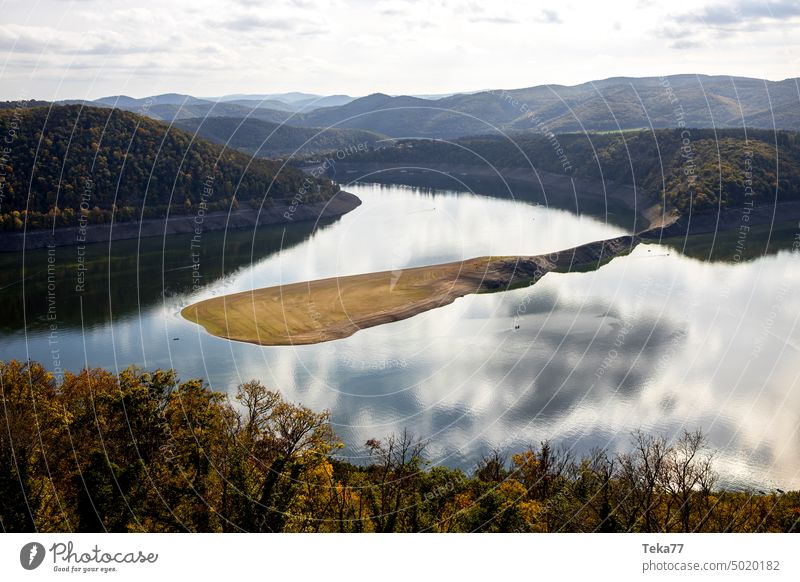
<point x="341" y="203"/>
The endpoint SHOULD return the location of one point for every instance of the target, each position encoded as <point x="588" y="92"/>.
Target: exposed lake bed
<point x="328" y="309"/>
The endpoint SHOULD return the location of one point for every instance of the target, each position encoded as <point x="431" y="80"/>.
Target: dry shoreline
<point x="557" y="190"/>
<point x="341" y="203"/>
<point x="726" y="220"/>
<point x="327" y="309"/>
<point x="526" y="184"/>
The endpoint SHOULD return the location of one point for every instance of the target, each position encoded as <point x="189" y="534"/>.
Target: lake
<point x="658" y="340"/>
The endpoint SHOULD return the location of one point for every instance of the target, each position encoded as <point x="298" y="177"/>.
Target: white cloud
<point x="549" y="17"/>
<point x="741" y="12"/>
<point x="211" y="47"/>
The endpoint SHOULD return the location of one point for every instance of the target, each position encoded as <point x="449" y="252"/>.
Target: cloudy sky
<point x="53" y="49"/>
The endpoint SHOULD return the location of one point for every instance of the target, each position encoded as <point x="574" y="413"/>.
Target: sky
<point x="60" y="49"/>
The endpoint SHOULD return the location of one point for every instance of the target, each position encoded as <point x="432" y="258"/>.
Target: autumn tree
<point x="397" y="465"/>
<point x="279" y="447"/>
<point x="32" y="424"/>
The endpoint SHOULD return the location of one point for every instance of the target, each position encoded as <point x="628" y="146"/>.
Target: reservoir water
<point x="660" y="340"/>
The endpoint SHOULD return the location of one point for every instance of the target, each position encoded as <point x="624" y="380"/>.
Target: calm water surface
<point x="656" y="340"/>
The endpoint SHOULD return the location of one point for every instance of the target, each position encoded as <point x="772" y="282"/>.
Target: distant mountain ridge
<point x="618" y="103"/>
<point x="614" y="104"/>
<point x="169" y="106"/>
<point x="606" y="105"/>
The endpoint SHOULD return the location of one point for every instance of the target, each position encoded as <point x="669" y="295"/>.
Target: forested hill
<point x="263" y="138"/>
<point x="62" y="161"/>
<point x="697" y="169"/>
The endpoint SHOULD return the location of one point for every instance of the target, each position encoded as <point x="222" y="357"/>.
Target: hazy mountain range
<point x="610" y="104"/>
<point x="618" y="103"/>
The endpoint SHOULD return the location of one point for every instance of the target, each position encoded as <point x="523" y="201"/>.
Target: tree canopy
<point x="62" y="162"/>
<point x="697" y="170"/>
<point x="145" y="451"/>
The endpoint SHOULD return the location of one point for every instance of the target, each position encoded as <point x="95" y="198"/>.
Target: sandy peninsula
<point x="327" y="309"/>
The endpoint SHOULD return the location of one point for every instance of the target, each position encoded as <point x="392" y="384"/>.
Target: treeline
<point x="62" y="163"/>
<point x="698" y="170"/>
<point x="143" y="451"/>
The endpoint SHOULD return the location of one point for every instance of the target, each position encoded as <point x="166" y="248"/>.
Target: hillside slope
<point x="70" y="161"/>
<point x="699" y="170"/>
<point x="262" y="138"/>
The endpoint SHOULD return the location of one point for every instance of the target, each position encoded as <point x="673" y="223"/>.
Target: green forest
<point x="697" y="170"/>
<point x="145" y="451"/>
<point x="60" y="163"/>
